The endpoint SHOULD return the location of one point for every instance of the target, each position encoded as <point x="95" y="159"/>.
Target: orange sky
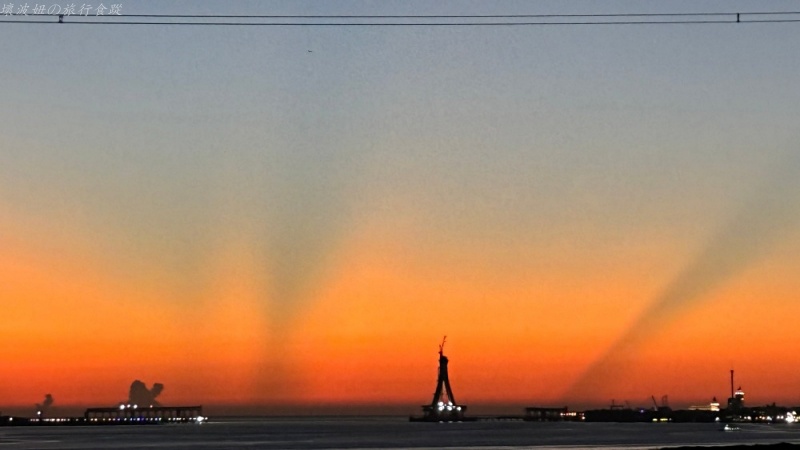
<point x="515" y="335"/>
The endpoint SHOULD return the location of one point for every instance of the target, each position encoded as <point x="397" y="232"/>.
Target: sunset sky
<point x="259" y="217"/>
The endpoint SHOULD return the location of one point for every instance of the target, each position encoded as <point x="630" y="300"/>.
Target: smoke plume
<point x="140" y="395"/>
<point x="767" y="216"/>
<point x="41" y="408"/>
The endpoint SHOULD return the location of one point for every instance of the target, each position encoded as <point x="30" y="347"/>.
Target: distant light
<point x="200" y="418"/>
<point x="790" y="417"/>
<point x="121" y="407"/>
<point x="135" y="406"/>
<point x="458" y="408"/>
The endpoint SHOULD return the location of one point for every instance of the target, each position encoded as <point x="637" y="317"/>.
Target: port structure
<point x="443" y="406"/>
<point x="736" y="400"/>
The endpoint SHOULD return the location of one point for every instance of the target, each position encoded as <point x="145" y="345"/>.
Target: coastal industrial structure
<point x="736" y="400"/>
<point x="537" y="414"/>
<point x="133" y="413"/>
<point x="443" y="407"/>
<point x="735" y="411"/>
<point x="140" y="409"/>
<point x="125" y="414"/>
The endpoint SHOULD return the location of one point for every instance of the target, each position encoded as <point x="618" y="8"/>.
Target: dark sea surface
<point x="389" y="433"/>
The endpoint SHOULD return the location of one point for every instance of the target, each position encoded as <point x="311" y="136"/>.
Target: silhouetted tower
<point x="731" y="383"/>
<point x="443" y="406"/>
<point x="443" y="381"/>
<point x="736" y="401"/>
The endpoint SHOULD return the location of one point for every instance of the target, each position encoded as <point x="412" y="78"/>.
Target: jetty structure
<point x="443" y="406"/>
<point x="123" y="415"/>
<point x="140" y="409"/>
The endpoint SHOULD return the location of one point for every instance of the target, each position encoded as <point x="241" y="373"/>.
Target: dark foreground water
<point x="389" y="433"/>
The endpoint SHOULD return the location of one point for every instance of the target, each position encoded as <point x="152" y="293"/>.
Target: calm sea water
<point x="388" y="433"/>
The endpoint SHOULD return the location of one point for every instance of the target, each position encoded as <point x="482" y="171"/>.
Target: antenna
<point x="441" y="346"/>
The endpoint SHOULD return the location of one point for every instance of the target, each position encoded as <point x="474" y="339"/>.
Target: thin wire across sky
<point x="475" y="20"/>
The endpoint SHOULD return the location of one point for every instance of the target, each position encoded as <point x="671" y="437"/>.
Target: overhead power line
<point x="445" y="16"/>
<point x="472" y="20"/>
<point x="431" y="16"/>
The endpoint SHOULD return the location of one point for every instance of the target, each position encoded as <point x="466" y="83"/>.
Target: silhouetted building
<point x="737" y="400"/>
<point x="713" y="406"/>
<point x="443" y="406"/>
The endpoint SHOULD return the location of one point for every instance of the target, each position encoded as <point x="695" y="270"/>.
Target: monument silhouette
<point x="443" y="406"/>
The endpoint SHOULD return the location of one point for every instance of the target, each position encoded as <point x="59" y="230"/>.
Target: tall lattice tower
<point x="443" y="406"/>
